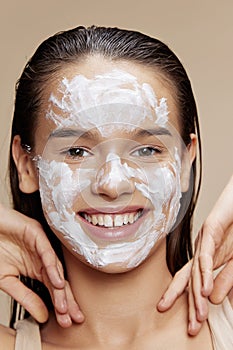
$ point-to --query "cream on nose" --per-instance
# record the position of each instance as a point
(113, 178)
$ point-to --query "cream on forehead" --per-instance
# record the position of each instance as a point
(107, 98)
(60, 186)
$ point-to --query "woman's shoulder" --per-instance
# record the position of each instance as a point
(7, 336)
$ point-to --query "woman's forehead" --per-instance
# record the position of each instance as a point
(78, 92)
(120, 94)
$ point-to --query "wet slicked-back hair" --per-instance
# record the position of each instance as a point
(72, 47)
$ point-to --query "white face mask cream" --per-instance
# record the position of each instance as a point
(85, 105)
(93, 103)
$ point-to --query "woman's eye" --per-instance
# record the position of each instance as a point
(77, 152)
(146, 151)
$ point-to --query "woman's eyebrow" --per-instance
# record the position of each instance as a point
(80, 133)
(158, 131)
(63, 133)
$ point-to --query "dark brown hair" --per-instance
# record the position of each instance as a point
(71, 47)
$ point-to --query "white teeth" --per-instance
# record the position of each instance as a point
(100, 220)
(126, 219)
(108, 222)
(94, 220)
(131, 218)
(118, 220)
(112, 220)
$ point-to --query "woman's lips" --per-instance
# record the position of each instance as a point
(112, 226)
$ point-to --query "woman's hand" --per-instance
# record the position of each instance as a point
(25, 250)
(214, 248)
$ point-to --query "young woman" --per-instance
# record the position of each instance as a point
(104, 157)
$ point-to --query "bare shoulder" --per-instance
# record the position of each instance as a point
(7, 336)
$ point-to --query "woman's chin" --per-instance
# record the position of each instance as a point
(113, 268)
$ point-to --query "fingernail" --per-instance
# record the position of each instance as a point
(80, 316)
(66, 321)
(161, 300)
(162, 303)
(191, 328)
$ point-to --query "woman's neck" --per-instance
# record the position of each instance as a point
(118, 308)
(119, 294)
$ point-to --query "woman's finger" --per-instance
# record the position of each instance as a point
(58, 295)
(222, 284)
(59, 301)
(73, 313)
(73, 307)
(199, 301)
(25, 297)
(194, 326)
(176, 287)
(205, 251)
(43, 248)
(65, 307)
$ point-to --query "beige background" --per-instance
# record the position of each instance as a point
(200, 32)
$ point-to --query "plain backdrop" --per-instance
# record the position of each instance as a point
(200, 32)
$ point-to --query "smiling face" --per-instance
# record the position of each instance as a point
(110, 159)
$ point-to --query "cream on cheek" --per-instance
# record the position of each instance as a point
(60, 187)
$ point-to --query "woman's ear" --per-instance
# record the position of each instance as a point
(187, 162)
(27, 173)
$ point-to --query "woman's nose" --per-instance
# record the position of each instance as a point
(113, 179)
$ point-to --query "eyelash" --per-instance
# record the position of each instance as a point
(155, 151)
(82, 150)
